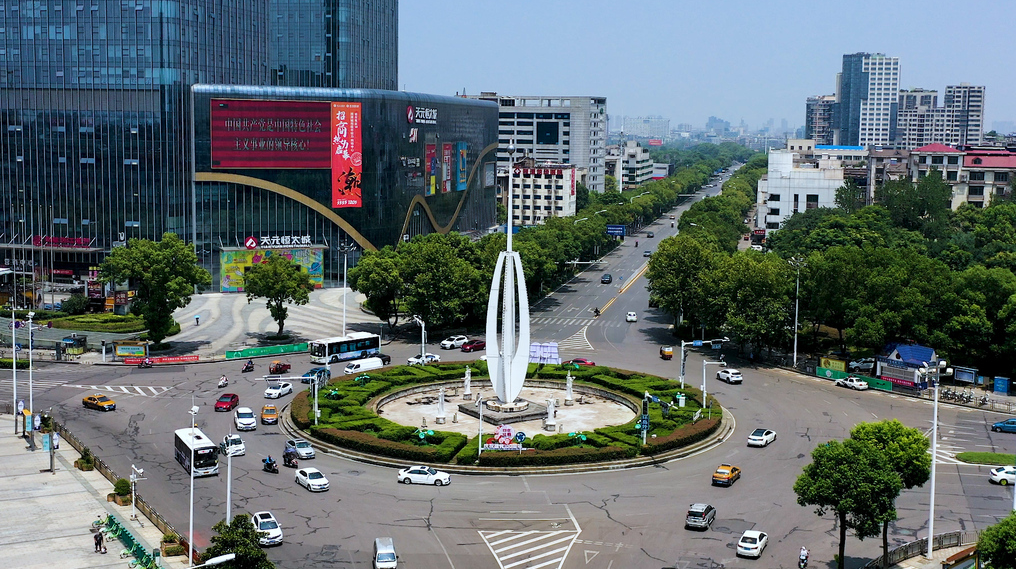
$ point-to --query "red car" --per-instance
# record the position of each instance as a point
(227, 402)
(474, 345)
(579, 362)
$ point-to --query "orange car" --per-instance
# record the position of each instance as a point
(269, 415)
(726, 475)
(100, 402)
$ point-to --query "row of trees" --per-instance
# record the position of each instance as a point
(445, 278)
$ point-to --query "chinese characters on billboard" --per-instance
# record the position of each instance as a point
(347, 157)
(432, 168)
(446, 167)
(269, 134)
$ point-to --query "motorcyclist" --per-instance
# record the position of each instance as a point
(289, 456)
(804, 554)
(596, 311)
(223, 381)
(250, 363)
(148, 361)
(269, 461)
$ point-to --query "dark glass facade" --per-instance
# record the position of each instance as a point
(399, 156)
(853, 89)
(94, 104)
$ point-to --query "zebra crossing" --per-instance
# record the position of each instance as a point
(142, 390)
(575, 342)
(555, 321)
(950, 439)
(515, 549)
(45, 384)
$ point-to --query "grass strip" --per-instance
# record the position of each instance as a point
(992, 458)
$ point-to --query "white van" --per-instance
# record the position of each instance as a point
(384, 553)
(360, 366)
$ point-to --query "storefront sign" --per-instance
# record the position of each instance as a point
(408, 162)
(277, 241)
(421, 115)
(461, 166)
(269, 134)
(430, 163)
(541, 171)
(50, 241)
(347, 157)
(94, 289)
(446, 167)
(120, 298)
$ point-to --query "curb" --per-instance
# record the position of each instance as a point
(726, 428)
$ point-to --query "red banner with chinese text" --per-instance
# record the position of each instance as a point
(347, 157)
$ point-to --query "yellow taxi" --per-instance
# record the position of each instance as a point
(269, 415)
(99, 401)
(726, 475)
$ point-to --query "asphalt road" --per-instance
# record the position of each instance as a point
(613, 519)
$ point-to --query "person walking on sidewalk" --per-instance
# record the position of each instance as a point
(197, 320)
(98, 541)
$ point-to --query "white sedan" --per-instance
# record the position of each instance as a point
(232, 445)
(752, 543)
(312, 479)
(729, 375)
(427, 358)
(853, 382)
(761, 438)
(424, 475)
(452, 342)
(1003, 475)
(278, 390)
(244, 420)
(631, 317)
(269, 531)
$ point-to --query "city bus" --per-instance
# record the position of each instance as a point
(353, 346)
(206, 453)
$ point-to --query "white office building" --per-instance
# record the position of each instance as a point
(959, 122)
(647, 127)
(866, 99)
(541, 191)
(562, 130)
(792, 185)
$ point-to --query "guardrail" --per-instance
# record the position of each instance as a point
(920, 547)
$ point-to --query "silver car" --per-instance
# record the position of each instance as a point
(302, 448)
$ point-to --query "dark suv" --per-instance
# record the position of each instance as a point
(606, 279)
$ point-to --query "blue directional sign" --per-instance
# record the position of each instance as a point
(520, 437)
(615, 230)
(697, 343)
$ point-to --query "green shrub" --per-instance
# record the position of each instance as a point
(467, 454)
(622, 434)
(175, 550)
(170, 538)
(122, 487)
(8, 363)
(569, 455)
(683, 436)
(104, 322)
(76, 304)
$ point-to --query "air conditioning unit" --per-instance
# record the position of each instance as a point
(963, 177)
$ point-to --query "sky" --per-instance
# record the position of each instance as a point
(688, 60)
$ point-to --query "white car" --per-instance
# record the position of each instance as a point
(761, 438)
(269, 531)
(244, 419)
(232, 445)
(752, 543)
(853, 382)
(1003, 475)
(427, 358)
(278, 390)
(729, 375)
(631, 317)
(424, 475)
(865, 365)
(312, 479)
(302, 447)
(452, 342)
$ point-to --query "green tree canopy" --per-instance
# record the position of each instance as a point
(854, 480)
(163, 275)
(997, 544)
(239, 537)
(377, 276)
(279, 281)
(675, 275)
(850, 197)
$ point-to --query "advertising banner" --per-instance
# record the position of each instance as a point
(432, 168)
(446, 167)
(269, 134)
(94, 289)
(49, 241)
(235, 263)
(831, 363)
(121, 350)
(347, 155)
(461, 167)
(162, 360)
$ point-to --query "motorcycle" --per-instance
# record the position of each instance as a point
(247, 367)
(290, 461)
(272, 466)
(144, 364)
(983, 401)
(802, 563)
(596, 313)
(223, 383)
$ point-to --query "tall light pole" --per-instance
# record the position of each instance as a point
(136, 475)
(704, 364)
(216, 560)
(797, 263)
(345, 249)
(14, 344)
(934, 452)
(423, 337)
(190, 537)
(229, 480)
(31, 392)
(683, 344)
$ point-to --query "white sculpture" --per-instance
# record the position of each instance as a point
(440, 408)
(551, 422)
(507, 362)
(568, 401)
(469, 376)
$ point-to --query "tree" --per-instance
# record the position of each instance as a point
(239, 537)
(751, 298)
(581, 196)
(610, 184)
(906, 450)
(77, 303)
(163, 275)
(675, 275)
(850, 197)
(997, 544)
(854, 480)
(279, 281)
(377, 276)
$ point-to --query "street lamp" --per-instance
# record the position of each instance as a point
(704, 364)
(479, 428)
(638, 196)
(578, 220)
(14, 346)
(927, 371)
(423, 336)
(229, 479)
(190, 539)
(135, 476)
(797, 263)
(345, 249)
(31, 392)
(599, 212)
(216, 560)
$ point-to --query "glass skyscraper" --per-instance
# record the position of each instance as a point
(95, 106)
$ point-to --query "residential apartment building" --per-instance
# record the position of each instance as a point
(540, 190)
(866, 100)
(647, 127)
(632, 164)
(792, 184)
(818, 119)
(562, 130)
(976, 175)
(884, 165)
(920, 121)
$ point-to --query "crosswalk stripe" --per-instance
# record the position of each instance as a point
(534, 558)
(529, 549)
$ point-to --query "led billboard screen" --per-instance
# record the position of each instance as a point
(249, 133)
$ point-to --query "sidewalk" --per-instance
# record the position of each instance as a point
(49, 515)
(937, 557)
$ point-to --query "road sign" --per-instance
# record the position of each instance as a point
(37, 421)
(17, 347)
(251, 242)
(697, 343)
(504, 434)
(520, 437)
(21, 406)
(615, 230)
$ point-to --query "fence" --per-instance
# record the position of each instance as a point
(920, 547)
(108, 473)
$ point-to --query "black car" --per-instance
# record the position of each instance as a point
(385, 358)
(650, 234)
(606, 279)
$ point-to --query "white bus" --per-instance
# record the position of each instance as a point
(354, 346)
(206, 453)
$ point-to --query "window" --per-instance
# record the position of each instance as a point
(977, 160)
(922, 160)
(978, 176)
(976, 191)
(937, 159)
(812, 201)
(954, 159)
(774, 197)
(950, 175)
(772, 225)
(774, 211)
(1001, 176)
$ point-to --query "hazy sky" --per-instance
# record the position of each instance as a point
(689, 60)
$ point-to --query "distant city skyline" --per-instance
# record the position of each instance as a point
(689, 61)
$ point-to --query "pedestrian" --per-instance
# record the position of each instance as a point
(197, 320)
(98, 541)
